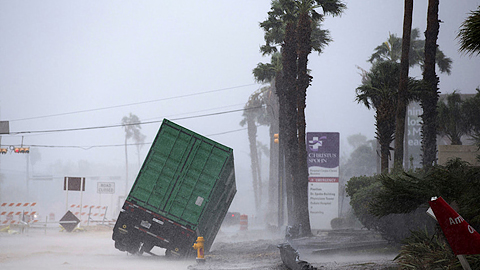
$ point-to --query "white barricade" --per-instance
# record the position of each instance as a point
(14, 213)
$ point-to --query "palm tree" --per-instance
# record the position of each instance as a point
(452, 120)
(472, 112)
(131, 124)
(469, 34)
(304, 47)
(289, 76)
(379, 92)
(391, 50)
(429, 97)
(402, 87)
(267, 73)
(255, 112)
(471, 108)
(306, 16)
(281, 29)
(274, 27)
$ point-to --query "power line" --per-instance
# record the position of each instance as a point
(197, 111)
(138, 123)
(132, 104)
(117, 145)
(85, 147)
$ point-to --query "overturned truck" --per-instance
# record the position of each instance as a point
(183, 190)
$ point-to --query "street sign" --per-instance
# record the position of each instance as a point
(4, 127)
(105, 187)
(69, 221)
(74, 183)
(323, 149)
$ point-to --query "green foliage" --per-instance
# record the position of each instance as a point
(362, 190)
(384, 201)
(400, 194)
(469, 33)
(393, 227)
(379, 91)
(256, 108)
(472, 113)
(132, 128)
(457, 182)
(452, 118)
(362, 161)
(395, 204)
(423, 251)
(391, 50)
(346, 222)
(283, 11)
(355, 184)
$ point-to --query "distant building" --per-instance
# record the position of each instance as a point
(413, 141)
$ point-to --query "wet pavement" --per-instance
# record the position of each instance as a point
(259, 249)
(233, 249)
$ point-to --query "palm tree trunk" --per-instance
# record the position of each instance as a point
(289, 61)
(273, 166)
(303, 81)
(385, 122)
(284, 195)
(259, 176)
(430, 95)
(252, 138)
(402, 88)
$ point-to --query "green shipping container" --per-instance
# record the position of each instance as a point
(184, 187)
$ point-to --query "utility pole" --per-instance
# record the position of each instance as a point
(126, 169)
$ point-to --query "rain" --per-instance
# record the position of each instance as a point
(72, 70)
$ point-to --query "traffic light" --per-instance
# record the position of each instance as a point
(275, 138)
(22, 150)
(3, 151)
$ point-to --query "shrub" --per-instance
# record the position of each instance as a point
(393, 227)
(422, 250)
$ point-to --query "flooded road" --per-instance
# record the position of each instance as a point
(233, 249)
(92, 249)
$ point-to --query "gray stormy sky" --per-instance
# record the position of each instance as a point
(58, 57)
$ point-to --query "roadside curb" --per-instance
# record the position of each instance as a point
(329, 243)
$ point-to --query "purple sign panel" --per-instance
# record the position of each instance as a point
(323, 149)
(323, 169)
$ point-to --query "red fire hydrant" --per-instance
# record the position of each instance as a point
(200, 247)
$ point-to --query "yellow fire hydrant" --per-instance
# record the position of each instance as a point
(199, 246)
